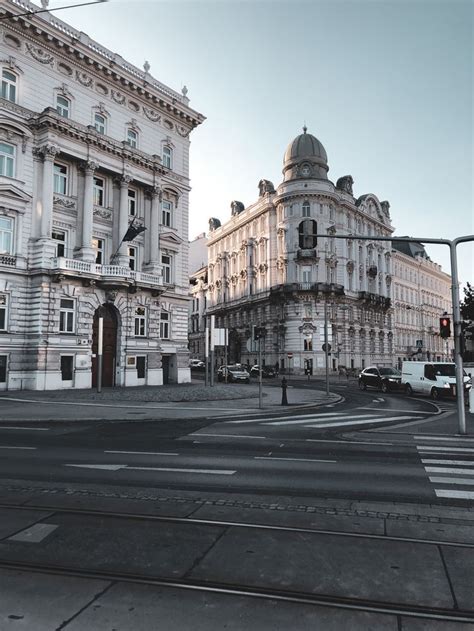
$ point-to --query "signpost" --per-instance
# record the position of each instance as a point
(290, 357)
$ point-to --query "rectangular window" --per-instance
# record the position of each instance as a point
(3, 368)
(166, 263)
(99, 247)
(60, 179)
(8, 86)
(3, 312)
(6, 235)
(67, 313)
(166, 212)
(132, 138)
(306, 274)
(308, 343)
(99, 123)
(141, 366)
(60, 237)
(140, 321)
(132, 202)
(7, 159)
(165, 325)
(99, 191)
(167, 157)
(132, 258)
(67, 362)
(63, 106)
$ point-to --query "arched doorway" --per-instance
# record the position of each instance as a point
(109, 350)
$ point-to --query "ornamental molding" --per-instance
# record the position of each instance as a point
(84, 79)
(118, 97)
(307, 328)
(11, 63)
(89, 166)
(152, 115)
(64, 202)
(103, 213)
(39, 54)
(350, 266)
(47, 151)
(154, 191)
(183, 131)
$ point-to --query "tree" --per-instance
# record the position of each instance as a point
(467, 306)
(467, 326)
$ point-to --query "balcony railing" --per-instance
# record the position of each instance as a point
(8, 260)
(105, 272)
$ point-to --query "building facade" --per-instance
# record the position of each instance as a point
(267, 267)
(91, 147)
(421, 295)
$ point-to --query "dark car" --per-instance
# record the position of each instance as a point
(383, 379)
(234, 373)
(267, 371)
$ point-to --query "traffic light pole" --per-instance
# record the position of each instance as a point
(326, 348)
(260, 394)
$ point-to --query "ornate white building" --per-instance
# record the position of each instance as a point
(88, 144)
(267, 268)
(421, 295)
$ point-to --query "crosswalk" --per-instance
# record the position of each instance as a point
(449, 465)
(331, 420)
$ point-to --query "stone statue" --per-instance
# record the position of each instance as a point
(385, 208)
(265, 186)
(236, 208)
(214, 224)
(345, 183)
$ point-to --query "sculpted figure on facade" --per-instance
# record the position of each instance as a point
(236, 208)
(265, 186)
(214, 223)
(345, 183)
(385, 208)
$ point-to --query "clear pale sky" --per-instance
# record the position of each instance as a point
(387, 87)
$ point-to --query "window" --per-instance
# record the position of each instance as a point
(306, 231)
(60, 179)
(66, 367)
(99, 247)
(166, 263)
(63, 106)
(306, 274)
(132, 138)
(99, 123)
(141, 366)
(306, 210)
(308, 343)
(99, 191)
(60, 237)
(164, 325)
(7, 160)
(8, 86)
(167, 157)
(132, 202)
(67, 314)
(3, 312)
(6, 235)
(140, 321)
(132, 256)
(166, 212)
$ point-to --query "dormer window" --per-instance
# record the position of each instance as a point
(63, 106)
(167, 157)
(9, 85)
(99, 123)
(132, 138)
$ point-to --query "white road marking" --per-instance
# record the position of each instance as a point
(450, 480)
(308, 417)
(394, 410)
(34, 534)
(27, 429)
(225, 435)
(314, 419)
(211, 471)
(449, 470)
(435, 449)
(463, 495)
(349, 442)
(142, 453)
(143, 406)
(8, 447)
(293, 459)
(105, 467)
(457, 462)
(442, 438)
(371, 420)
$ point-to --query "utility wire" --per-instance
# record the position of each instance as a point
(70, 6)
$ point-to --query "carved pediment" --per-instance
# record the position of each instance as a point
(171, 237)
(12, 192)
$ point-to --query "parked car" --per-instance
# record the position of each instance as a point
(197, 364)
(437, 379)
(234, 373)
(382, 378)
(267, 371)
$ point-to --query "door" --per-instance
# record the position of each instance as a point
(165, 364)
(109, 349)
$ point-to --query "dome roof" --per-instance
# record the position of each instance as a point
(305, 146)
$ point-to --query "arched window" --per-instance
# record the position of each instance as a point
(99, 123)
(306, 209)
(306, 233)
(7, 159)
(132, 138)
(63, 106)
(167, 157)
(9, 85)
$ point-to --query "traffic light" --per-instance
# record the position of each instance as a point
(445, 327)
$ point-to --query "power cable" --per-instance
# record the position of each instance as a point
(70, 6)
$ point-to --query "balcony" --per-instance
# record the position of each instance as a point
(374, 300)
(309, 254)
(106, 276)
(321, 290)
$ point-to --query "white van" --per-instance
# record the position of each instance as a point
(436, 379)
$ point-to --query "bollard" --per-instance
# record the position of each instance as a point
(284, 400)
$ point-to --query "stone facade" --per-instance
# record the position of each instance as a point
(266, 268)
(89, 147)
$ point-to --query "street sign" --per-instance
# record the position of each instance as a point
(324, 347)
(289, 355)
(419, 343)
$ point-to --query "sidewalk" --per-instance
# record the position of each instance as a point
(153, 402)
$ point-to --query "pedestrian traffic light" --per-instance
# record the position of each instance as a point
(445, 327)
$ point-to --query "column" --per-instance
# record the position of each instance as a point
(87, 252)
(122, 257)
(154, 262)
(48, 152)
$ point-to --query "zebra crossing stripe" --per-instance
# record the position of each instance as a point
(453, 494)
(438, 480)
(435, 449)
(450, 475)
(307, 417)
(367, 420)
(315, 419)
(456, 462)
(449, 470)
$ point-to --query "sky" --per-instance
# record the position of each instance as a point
(386, 86)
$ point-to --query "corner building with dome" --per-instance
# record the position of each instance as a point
(267, 268)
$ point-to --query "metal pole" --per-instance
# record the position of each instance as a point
(100, 346)
(326, 351)
(206, 353)
(213, 319)
(226, 341)
(260, 401)
(457, 339)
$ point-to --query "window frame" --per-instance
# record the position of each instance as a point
(167, 277)
(7, 231)
(67, 324)
(60, 178)
(9, 85)
(99, 191)
(306, 239)
(140, 321)
(133, 142)
(63, 109)
(165, 324)
(306, 209)
(61, 243)
(4, 312)
(167, 213)
(167, 157)
(7, 159)
(99, 250)
(132, 252)
(132, 201)
(100, 126)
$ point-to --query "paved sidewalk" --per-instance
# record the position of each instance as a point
(192, 400)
